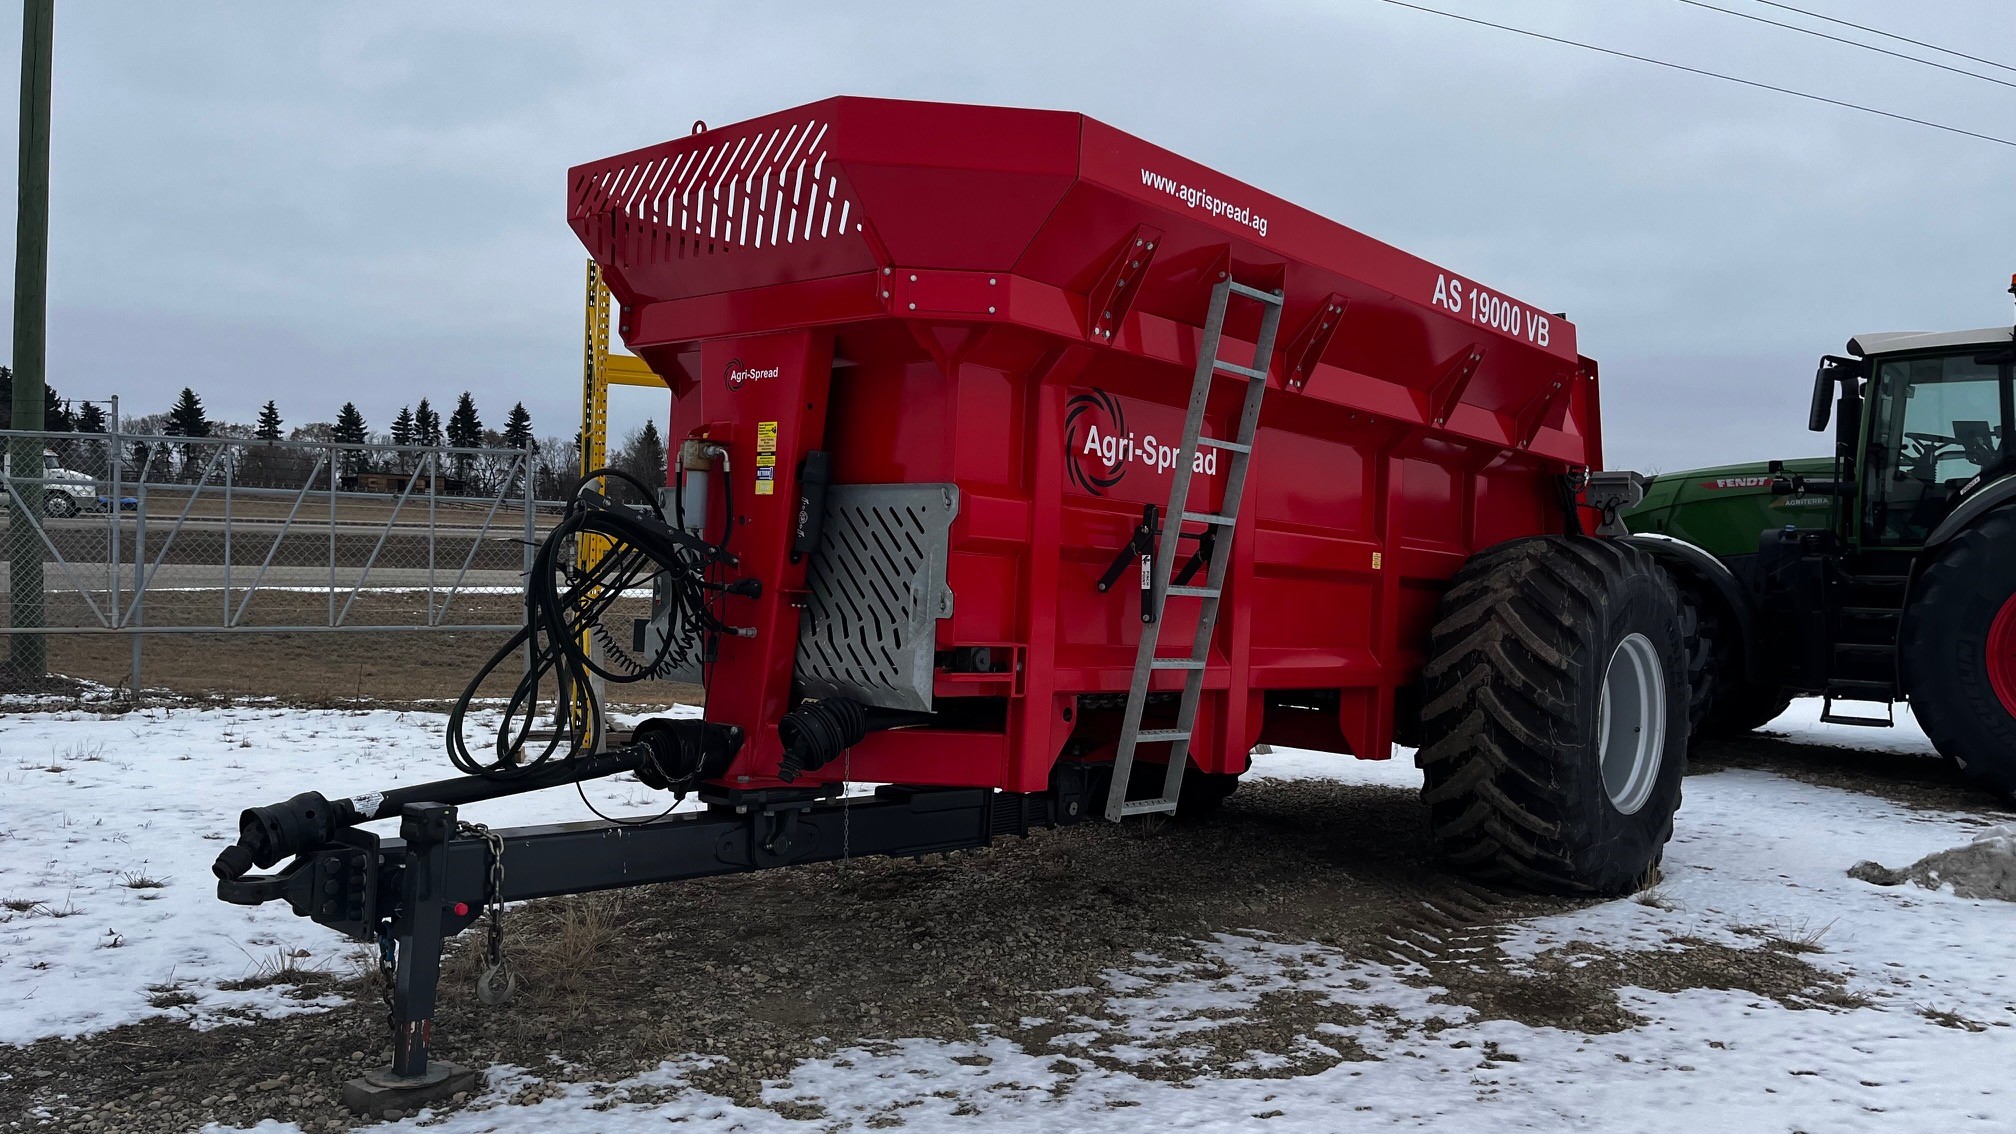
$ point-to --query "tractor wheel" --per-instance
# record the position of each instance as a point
(1724, 703)
(1747, 708)
(59, 504)
(1708, 652)
(1959, 653)
(1555, 716)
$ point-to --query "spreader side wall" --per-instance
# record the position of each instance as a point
(1023, 332)
(1352, 526)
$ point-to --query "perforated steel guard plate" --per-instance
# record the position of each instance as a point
(878, 588)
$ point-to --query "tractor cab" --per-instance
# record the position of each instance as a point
(1925, 420)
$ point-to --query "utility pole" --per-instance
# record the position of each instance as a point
(29, 652)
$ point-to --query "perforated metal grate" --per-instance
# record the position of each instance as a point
(878, 590)
(759, 190)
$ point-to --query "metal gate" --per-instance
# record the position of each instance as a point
(142, 534)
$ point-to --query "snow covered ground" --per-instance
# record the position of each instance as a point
(93, 809)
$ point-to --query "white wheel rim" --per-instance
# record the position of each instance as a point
(1631, 723)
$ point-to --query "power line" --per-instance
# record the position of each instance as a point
(1849, 42)
(1708, 74)
(1887, 35)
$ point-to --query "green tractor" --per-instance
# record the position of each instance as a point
(1884, 573)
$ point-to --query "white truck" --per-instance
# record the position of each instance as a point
(63, 492)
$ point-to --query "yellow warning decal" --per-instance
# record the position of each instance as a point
(766, 458)
(1375, 561)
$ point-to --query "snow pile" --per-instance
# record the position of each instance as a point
(1984, 868)
(109, 824)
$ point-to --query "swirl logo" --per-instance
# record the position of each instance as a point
(1095, 437)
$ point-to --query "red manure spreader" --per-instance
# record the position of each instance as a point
(1037, 474)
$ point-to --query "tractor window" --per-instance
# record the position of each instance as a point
(1935, 424)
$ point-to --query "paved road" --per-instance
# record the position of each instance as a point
(504, 527)
(97, 577)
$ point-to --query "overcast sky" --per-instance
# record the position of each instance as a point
(366, 201)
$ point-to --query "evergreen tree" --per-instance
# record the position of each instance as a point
(642, 456)
(350, 427)
(402, 434)
(269, 423)
(186, 417)
(55, 413)
(426, 425)
(517, 427)
(91, 419)
(465, 429)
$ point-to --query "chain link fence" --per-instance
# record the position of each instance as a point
(141, 537)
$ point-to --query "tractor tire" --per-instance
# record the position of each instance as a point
(1747, 708)
(61, 505)
(1724, 704)
(1959, 653)
(1707, 656)
(1555, 716)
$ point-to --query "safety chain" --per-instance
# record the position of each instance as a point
(497, 982)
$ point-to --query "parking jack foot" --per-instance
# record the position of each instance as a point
(381, 1090)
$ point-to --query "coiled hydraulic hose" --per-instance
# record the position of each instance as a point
(815, 732)
(560, 613)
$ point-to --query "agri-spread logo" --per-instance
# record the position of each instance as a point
(1099, 449)
(739, 375)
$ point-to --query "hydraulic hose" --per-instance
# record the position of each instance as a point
(816, 732)
(561, 612)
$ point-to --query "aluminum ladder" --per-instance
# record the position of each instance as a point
(1239, 451)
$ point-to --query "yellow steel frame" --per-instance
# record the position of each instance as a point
(599, 371)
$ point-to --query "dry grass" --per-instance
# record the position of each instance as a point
(565, 947)
(1786, 937)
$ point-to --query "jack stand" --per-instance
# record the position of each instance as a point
(411, 1082)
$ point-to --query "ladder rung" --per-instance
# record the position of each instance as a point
(1175, 663)
(1146, 806)
(1209, 518)
(1229, 446)
(1255, 293)
(1235, 368)
(1160, 735)
(1193, 592)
